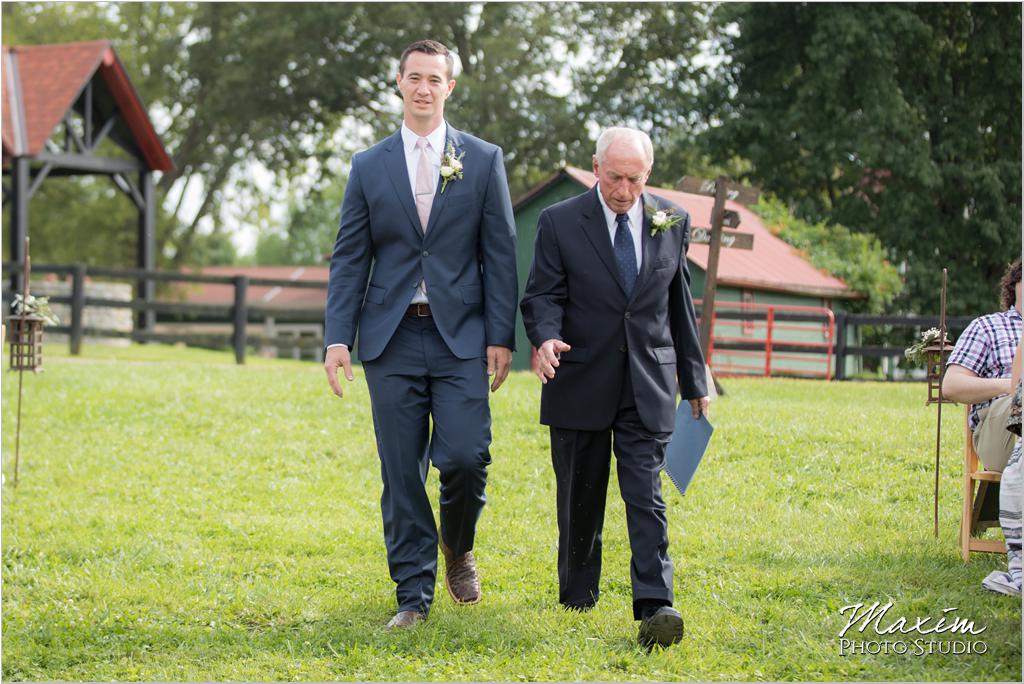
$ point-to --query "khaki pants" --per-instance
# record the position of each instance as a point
(992, 440)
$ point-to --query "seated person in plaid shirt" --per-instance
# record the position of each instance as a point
(978, 372)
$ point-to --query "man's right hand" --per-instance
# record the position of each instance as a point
(338, 357)
(547, 358)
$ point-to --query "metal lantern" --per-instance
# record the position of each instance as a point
(25, 334)
(935, 363)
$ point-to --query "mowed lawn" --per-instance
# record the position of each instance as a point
(183, 518)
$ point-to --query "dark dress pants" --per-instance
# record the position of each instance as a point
(581, 460)
(417, 379)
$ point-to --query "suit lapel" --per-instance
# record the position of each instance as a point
(398, 173)
(648, 245)
(595, 227)
(454, 138)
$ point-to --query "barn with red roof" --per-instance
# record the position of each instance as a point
(772, 280)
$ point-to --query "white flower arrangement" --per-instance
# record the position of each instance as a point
(35, 306)
(915, 353)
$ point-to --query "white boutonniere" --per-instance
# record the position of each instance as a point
(662, 219)
(451, 166)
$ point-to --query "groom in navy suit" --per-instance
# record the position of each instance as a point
(424, 267)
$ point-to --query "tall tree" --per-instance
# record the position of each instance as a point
(899, 119)
(292, 87)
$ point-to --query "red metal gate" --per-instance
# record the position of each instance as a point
(771, 339)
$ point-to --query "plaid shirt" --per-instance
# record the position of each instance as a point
(986, 347)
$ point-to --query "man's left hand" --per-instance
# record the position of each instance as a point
(499, 360)
(699, 406)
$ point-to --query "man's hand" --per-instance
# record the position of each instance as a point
(547, 358)
(499, 360)
(699, 406)
(338, 357)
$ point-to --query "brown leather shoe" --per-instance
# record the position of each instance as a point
(460, 578)
(405, 618)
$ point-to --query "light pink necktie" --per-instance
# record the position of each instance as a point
(425, 184)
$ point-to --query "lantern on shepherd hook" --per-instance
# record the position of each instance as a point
(25, 334)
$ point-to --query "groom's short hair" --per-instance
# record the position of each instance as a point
(428, 47)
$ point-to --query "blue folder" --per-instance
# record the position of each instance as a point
(689, 442)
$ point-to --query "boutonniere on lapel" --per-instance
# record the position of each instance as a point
(451, 166)
(661, 219)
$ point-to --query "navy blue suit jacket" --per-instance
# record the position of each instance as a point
(467, 256)
(575, 294)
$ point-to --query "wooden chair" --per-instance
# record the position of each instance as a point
(971, 521)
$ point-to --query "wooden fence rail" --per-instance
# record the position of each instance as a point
(240, 313)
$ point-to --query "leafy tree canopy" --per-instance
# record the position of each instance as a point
(899, 119)
(856, 258)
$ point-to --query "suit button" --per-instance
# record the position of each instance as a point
(426, 253)
(622, 348)
(627, 315)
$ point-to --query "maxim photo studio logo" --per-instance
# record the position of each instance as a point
(870, 630)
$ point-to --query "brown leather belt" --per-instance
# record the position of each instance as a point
(418, 310)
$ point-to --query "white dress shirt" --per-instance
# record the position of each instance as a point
(436, 138)
(636, 224)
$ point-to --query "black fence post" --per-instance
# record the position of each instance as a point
(241, 312)
(77, 308)
(840, 345)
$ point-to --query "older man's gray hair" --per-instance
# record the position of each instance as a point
(637, 137)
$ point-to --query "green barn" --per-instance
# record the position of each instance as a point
(791, 299)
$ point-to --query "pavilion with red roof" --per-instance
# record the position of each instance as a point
(62, 106)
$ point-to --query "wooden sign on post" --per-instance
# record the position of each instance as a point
(732, 239)
(721, 189)
(742, 194)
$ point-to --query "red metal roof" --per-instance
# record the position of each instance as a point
(284, 298)
(42, 82)
(771, 265)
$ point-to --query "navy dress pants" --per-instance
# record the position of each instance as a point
(582, 460)
(416, 381)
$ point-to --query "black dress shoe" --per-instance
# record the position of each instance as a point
(663, 628)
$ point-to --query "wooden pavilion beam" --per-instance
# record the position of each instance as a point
(146, 242)
(91, 164)
(19, 217)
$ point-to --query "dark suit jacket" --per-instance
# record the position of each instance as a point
(467, 256)
(575, 294)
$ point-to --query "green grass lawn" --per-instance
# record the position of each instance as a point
(183, 518)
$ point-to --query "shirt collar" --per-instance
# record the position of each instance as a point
(435, 138)
(635, 212)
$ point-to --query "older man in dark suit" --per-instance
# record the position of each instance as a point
(608, 307)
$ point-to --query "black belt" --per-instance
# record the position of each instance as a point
(419, 310)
